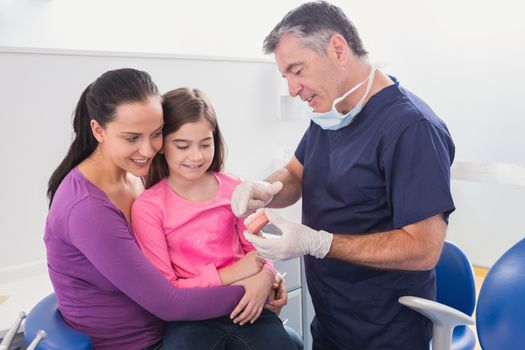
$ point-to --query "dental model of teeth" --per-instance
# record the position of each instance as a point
(257, 224)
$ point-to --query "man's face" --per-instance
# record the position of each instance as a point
(311, 76)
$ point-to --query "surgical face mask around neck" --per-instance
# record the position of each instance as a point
(333, 120)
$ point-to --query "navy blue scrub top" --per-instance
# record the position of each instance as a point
(389, 168)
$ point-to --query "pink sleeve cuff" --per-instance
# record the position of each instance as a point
(269, 266)
(210, 276)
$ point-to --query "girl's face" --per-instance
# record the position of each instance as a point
(189, 150)
(135, 135)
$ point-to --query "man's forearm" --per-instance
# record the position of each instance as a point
(396, 250)
(291, 191)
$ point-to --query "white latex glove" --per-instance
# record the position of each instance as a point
(252, 195)
(296, 240)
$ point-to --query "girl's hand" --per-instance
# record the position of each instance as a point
(249, 265)
(278, 295)
(245, 267)
(257, 288)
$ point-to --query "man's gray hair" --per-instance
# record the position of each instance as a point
(313, 24)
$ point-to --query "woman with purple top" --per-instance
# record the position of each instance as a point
(105, 287)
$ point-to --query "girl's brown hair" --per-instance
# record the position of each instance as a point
(181, 106)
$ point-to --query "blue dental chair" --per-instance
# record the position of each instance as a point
(58, 335)
(500, 313)
(45, 329)
(455, 290)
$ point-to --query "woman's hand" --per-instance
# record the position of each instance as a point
(256, 288)
(245, 267)
(278, 295)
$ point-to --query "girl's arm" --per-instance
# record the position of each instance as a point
(147, 225)
(101, 233)
(254, 301)
(146, 219)
(250, 264)
(248, 247)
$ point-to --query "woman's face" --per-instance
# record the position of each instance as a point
(135, 135)
(189, 151)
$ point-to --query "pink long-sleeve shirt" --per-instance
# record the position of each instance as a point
(190, 241)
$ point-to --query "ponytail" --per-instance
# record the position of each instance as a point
(82, 146)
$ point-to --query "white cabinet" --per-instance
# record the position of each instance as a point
(292, 313)
(298, 313)
(292, 268)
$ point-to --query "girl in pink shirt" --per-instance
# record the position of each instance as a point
(185, 227)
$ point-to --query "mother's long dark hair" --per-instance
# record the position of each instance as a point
(99, 102)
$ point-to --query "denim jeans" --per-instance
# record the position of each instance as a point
(221, 333)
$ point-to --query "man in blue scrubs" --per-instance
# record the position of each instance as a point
(373, 170)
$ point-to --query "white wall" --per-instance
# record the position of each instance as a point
(202, 27)
(463, 57)
(40, 91)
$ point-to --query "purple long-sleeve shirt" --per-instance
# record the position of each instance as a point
(105, 287)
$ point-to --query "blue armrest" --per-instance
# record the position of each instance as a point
(45, 316)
